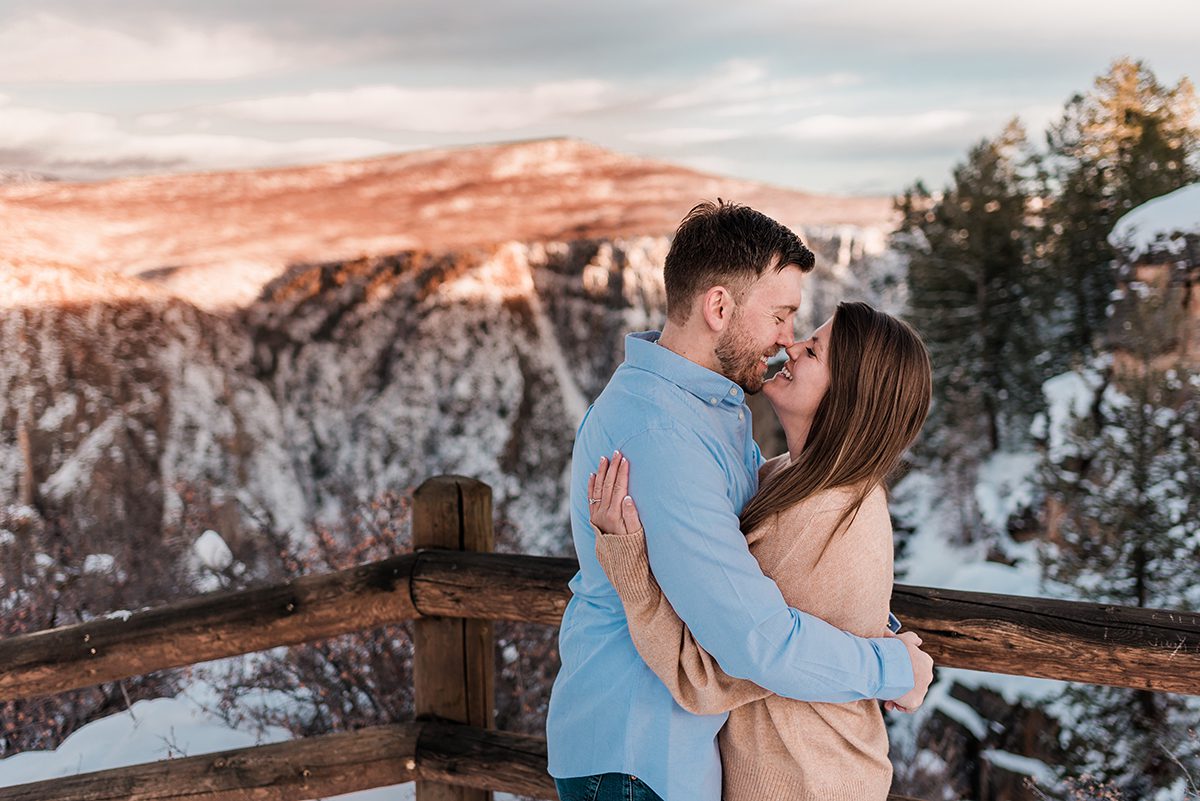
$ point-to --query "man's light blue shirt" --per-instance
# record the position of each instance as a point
(693, 465)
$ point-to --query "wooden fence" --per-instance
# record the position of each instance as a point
(453, 588)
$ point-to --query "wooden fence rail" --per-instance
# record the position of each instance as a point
(1094, 643)
(379, 756)
(454, 592)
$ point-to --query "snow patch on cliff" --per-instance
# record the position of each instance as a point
(1161, 224)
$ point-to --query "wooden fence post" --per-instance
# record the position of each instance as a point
(453, 662)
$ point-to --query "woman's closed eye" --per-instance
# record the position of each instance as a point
(812, 354)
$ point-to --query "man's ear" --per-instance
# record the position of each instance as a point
(716, 305)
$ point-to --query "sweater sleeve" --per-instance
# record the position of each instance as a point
(692, 676)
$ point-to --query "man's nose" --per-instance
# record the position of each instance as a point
(788, 339)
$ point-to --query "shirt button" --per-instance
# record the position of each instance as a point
(713, 401)
(733, 391)
(741, 415)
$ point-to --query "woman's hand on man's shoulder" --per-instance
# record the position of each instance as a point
(610, 508)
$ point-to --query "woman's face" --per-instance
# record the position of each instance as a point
(798, 387)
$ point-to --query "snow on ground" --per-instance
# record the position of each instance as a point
(1159, 223)
(932, 559)
(903, 729)
(1015, 763)
(934, 556)
(82, 461)
(1014, 689)
(99, 563)
(148, 731)
(1069, 397)
(1006, 485)
(162, 728)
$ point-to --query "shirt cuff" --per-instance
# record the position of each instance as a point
(896, 672)
(624, 559)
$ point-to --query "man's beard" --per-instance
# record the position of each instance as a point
(740, 359)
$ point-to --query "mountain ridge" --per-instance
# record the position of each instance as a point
(216, 239)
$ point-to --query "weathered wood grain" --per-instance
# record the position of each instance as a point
(453, 661)
(466, 757)
(206, 627)
(1149, 649)
(1096, 643)
(530, 589)
(495, 760)
(488, 760)
(331, 764)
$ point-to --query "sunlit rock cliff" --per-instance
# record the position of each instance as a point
(280, 343)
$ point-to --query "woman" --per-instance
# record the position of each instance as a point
(851, 399)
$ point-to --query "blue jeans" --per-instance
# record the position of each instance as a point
(605, 787)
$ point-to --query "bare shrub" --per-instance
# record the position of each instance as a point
(50, 576)
(347, 682)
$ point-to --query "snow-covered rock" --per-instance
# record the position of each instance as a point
(98, 563)
(1161, 224)
(212, 551)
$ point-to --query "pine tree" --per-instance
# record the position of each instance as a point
(1129, 535)
(1128, 482)
(972, 263)
(1129, 140)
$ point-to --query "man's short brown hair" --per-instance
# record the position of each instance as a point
(726, 244)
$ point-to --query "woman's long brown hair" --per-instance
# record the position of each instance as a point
(877, 401)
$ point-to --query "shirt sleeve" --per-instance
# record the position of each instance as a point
(692, 676)
(704, 567)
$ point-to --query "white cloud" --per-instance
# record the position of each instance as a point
(1038, 117)
(744, 87)
(841, 128)
(1012, 26)
(714, 164)
(768, 108)
(161, 119)
(44, 48)
(441, 110)
(732, 78)
(88, 145)
(685, 136)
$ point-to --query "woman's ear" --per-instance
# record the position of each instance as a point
(717, 308)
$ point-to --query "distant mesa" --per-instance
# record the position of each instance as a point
(226, 234)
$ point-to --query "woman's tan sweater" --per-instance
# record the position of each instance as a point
(775, 748)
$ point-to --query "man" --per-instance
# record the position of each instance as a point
(676, 408)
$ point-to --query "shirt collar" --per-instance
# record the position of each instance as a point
(643, 352)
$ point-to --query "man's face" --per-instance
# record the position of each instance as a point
(761, 324)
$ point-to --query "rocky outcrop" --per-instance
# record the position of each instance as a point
(282, 381)
(1156, 308)
(343, 380)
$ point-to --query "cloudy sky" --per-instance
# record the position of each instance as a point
(856, 97)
